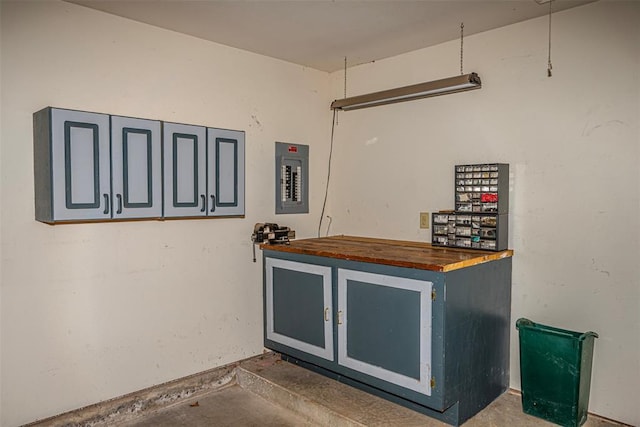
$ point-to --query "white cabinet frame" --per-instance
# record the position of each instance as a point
(424, 289)
(271, 334)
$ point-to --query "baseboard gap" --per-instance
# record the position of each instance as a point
(134, 405)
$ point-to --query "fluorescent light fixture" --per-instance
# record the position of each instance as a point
(408, 93)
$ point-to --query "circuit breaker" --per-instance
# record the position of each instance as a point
(292, 178)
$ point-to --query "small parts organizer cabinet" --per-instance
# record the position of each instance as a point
(482, 188)
(476, 231)
(92, 166)
(480, 219)
(372, 313)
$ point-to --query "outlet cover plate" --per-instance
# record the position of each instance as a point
(424, 219)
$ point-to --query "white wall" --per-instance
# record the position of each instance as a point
(572, 142)
(94, 311)
(90, 312)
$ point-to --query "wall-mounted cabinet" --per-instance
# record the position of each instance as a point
(97, 167)
(73, 165)
(203, 171)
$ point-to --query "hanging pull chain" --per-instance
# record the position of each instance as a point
(461, 46)
(345, 76)
(549, 66)
(345, 95)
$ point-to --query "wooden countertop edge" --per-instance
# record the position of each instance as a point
(484, 257)
(480, 260)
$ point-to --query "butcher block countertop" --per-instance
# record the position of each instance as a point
(399, 253)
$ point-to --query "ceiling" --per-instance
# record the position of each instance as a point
(320, 33)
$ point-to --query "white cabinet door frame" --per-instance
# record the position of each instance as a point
(81, 165)
(136, 167)
(184, 170)
(325, 273)
(225, 172)
(424, 289)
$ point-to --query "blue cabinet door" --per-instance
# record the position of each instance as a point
(298, 306)
(384, 328)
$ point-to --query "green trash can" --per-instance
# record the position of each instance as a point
(555, 372)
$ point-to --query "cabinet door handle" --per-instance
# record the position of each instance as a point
(326, 314)
(339, 317)
(106, 204)
(119, 197)
(213, 203)
(204, 203)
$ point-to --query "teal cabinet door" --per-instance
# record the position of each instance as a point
(384, 328)
(136, 167)
(225, 172)
(298, 307)
(184, 170)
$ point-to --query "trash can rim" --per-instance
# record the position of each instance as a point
(524, 323)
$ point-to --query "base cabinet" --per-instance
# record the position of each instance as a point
(390, 330)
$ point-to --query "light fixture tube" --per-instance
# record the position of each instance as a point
(408, 93)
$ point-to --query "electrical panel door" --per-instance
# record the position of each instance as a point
(292, 178)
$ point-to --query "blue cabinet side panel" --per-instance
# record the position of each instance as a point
(42, 165)
(477, 333)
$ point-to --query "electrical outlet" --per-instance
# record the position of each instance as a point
(424, 219)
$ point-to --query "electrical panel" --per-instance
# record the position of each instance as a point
(292, 178)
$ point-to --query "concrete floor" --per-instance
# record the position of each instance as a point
(231, 407)
(270, 392)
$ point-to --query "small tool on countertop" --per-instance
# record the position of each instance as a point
(271, 234)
